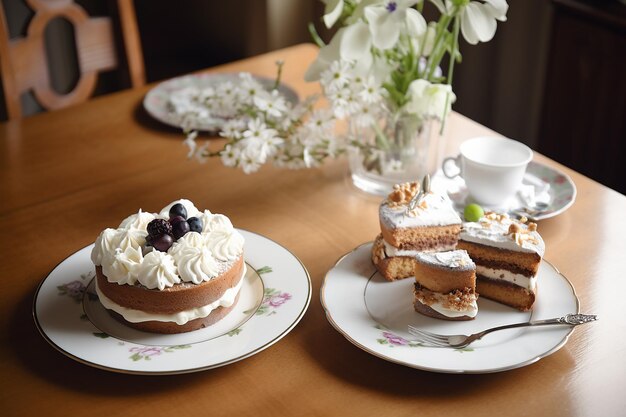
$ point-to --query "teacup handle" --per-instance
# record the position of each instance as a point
(446, 164)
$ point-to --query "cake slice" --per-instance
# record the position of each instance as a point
(507, 254)
(445, 285)
(432, 225)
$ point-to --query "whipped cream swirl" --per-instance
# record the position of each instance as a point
(158, 270)
(137, 221)
(197, 265)
(194, 258)
(226, 245)
(106, 242)
(122, 266)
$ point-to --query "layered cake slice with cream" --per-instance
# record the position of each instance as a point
(507, 254)
(170, 272)
(412, 223)
(445, 285)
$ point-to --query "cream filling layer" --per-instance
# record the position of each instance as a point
(439, 307)
(508, 276)
(180, 318)
(391, 251)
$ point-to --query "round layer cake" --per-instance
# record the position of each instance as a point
(170, 272)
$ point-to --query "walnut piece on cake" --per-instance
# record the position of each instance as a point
(402, 194)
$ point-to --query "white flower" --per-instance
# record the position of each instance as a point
(273, 104)
(337, 76)
(202, 152)
(478, 19)
(326, 56)
(366, 115)
(429, 100)
(230, 155)
(371, 92)
(233, 128)
(388, 19)
(190, 142)
(339, 101)
(356, 44)
(249, 163)
(320, 122)
(259, 142)
(351, 43)
(249, 88)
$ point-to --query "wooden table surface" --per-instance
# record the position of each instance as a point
(67, 175)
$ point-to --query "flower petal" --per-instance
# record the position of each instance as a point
(356, 42)
(497, 9)
(385, 31)
(477, 23)
(326, 56)
(415, 22)
(332, 12)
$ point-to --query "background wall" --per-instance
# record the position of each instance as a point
(501, 84)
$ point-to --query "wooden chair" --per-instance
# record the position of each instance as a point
(24, 64)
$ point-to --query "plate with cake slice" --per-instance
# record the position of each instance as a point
(374, 314)
(271, 295)
(429, 269)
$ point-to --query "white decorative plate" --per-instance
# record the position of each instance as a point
(374, 314)
(274, 297)
(156, 101)
(550, 186)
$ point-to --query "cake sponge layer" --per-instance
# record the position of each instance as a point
(180, 297)
(422, 238)
(526, 263)
(169, 327)
(505, 293)
(442, 279)
(391, 268)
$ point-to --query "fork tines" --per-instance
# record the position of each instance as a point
(423, 336)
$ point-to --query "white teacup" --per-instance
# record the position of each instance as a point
(492, 167)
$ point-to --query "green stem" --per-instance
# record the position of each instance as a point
(436, 55)
(453, 57)
(279, 73)
(316, 37)
(455, 49)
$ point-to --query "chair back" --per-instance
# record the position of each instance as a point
(24, 63)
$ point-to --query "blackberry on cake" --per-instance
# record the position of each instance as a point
(432, 225)
(507, 253)
(166, 273)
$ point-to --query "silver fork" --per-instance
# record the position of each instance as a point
(460, 341)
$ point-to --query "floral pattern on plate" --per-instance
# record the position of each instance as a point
(374, 315)
(84, 331)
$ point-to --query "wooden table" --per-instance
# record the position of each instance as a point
(66, 175)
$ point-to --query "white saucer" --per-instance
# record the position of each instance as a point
(374, 314)
(546, 184)
(274, 297)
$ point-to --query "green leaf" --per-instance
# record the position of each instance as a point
(264, 270)
(234, 332)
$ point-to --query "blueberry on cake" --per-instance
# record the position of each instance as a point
(170, 272)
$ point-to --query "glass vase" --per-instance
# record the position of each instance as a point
(399, 148)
